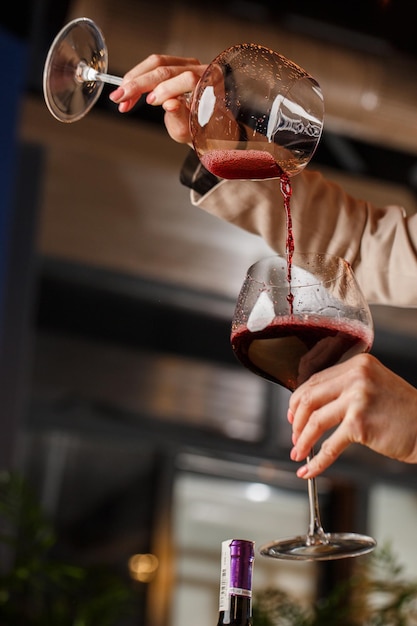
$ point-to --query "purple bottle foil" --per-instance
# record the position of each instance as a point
(241, 559)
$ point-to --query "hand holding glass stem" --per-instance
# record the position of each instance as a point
(287, 332)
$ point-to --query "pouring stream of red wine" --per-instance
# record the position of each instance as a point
(255, 165)
(286, 190)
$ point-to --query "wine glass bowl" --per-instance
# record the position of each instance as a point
(291, 321)
(255, 114)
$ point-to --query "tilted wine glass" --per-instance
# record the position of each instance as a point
(253, 115)
(286, 330)
(75, 70)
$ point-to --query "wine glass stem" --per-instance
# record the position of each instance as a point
(89, 74)
(109, 78)
(316, 533)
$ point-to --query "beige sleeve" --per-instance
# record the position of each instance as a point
(380, 243)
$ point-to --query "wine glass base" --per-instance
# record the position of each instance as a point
(335, 546)
(67, 95)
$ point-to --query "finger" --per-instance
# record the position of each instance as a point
(161, 85)
(324, 377)
(321, 388)
(177, 121)
(329, 451)
(158, 60)
(312, 397)
(174, 87)
(120, 97)
(134, 85)
(127, 105)
(320, 421)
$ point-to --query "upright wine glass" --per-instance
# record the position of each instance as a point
(286, 330)
(254, 113)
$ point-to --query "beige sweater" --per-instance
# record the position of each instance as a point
(379, 242)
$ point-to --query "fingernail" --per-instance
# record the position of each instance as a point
(150, 98)
(117, 94)
(294, 454)
(290, 416)
(302, 471)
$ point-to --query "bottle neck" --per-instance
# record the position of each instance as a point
(235, 601)
(239, 613)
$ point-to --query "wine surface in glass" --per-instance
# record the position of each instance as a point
(290, 349)
(241, 164)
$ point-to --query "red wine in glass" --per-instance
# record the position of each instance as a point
(289, 350)
(326, 321)
(241, 164)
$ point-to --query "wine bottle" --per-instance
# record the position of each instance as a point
(235, 599)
